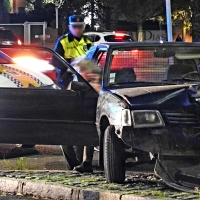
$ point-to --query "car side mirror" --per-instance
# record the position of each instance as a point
(79, 86)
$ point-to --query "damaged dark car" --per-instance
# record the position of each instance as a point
(150, 101)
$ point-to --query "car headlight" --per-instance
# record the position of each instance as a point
(126, 117)
(147, 118)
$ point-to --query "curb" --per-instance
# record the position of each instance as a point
(53, 191)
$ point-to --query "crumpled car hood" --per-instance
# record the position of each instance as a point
(163, 97)
(138, 91)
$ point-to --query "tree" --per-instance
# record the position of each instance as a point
(44, 10)
(6, 5)
(140, 12)
(134, 11)
(4, 10)
(34, 4)
(185, 13)
(181, 15)
(195, 20)
(110, 12)
(68, 8)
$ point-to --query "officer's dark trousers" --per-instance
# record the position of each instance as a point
(74, 155)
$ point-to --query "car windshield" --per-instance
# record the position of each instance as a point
(153, 64)
(118, 38)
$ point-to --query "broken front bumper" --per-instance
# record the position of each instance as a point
(180, 172)
(178, 147)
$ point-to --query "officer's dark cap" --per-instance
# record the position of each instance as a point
(76, 19)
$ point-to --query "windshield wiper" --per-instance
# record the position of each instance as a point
(128, 82)
(185, 79)
(142, 82)
(191, 76)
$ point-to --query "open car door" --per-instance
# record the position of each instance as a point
(44, 114)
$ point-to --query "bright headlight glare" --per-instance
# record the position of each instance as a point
(147, 118)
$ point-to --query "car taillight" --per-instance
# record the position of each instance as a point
(19, 42)
(119, 36)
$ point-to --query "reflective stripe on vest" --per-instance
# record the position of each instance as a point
(75, 48)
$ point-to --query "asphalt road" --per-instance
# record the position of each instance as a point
(47, 158)
(50, 158)
(40, 158)
(44, 158)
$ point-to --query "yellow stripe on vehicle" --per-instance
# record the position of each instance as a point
(24, 78)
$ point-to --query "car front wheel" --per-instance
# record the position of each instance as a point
(114, 159)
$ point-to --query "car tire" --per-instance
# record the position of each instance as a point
(114, 157)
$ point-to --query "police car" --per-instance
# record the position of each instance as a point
(13, 75)
(103, 37)
(35, 60)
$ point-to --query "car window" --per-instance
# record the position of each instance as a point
(94, 38)
(7, 35)
(118, 38)
(25, 53)
(101, 58)
(34, 67)
(143, 65)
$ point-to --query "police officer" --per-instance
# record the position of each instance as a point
(71, 46)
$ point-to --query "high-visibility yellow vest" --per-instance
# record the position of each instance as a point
(75, 48)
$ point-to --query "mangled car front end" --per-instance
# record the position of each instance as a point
(164, 121)
(150, 103)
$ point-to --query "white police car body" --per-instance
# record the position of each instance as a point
(103, 37)
(13, 75)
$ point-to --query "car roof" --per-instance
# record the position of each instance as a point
(106, 33)
(147, 44)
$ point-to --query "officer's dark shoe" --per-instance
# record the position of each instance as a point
(84, 167)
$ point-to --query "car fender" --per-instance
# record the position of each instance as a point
(114, 109)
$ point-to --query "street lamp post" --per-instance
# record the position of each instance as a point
(56, 9)
(92, 14)
(169, 20)
(96, 26)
